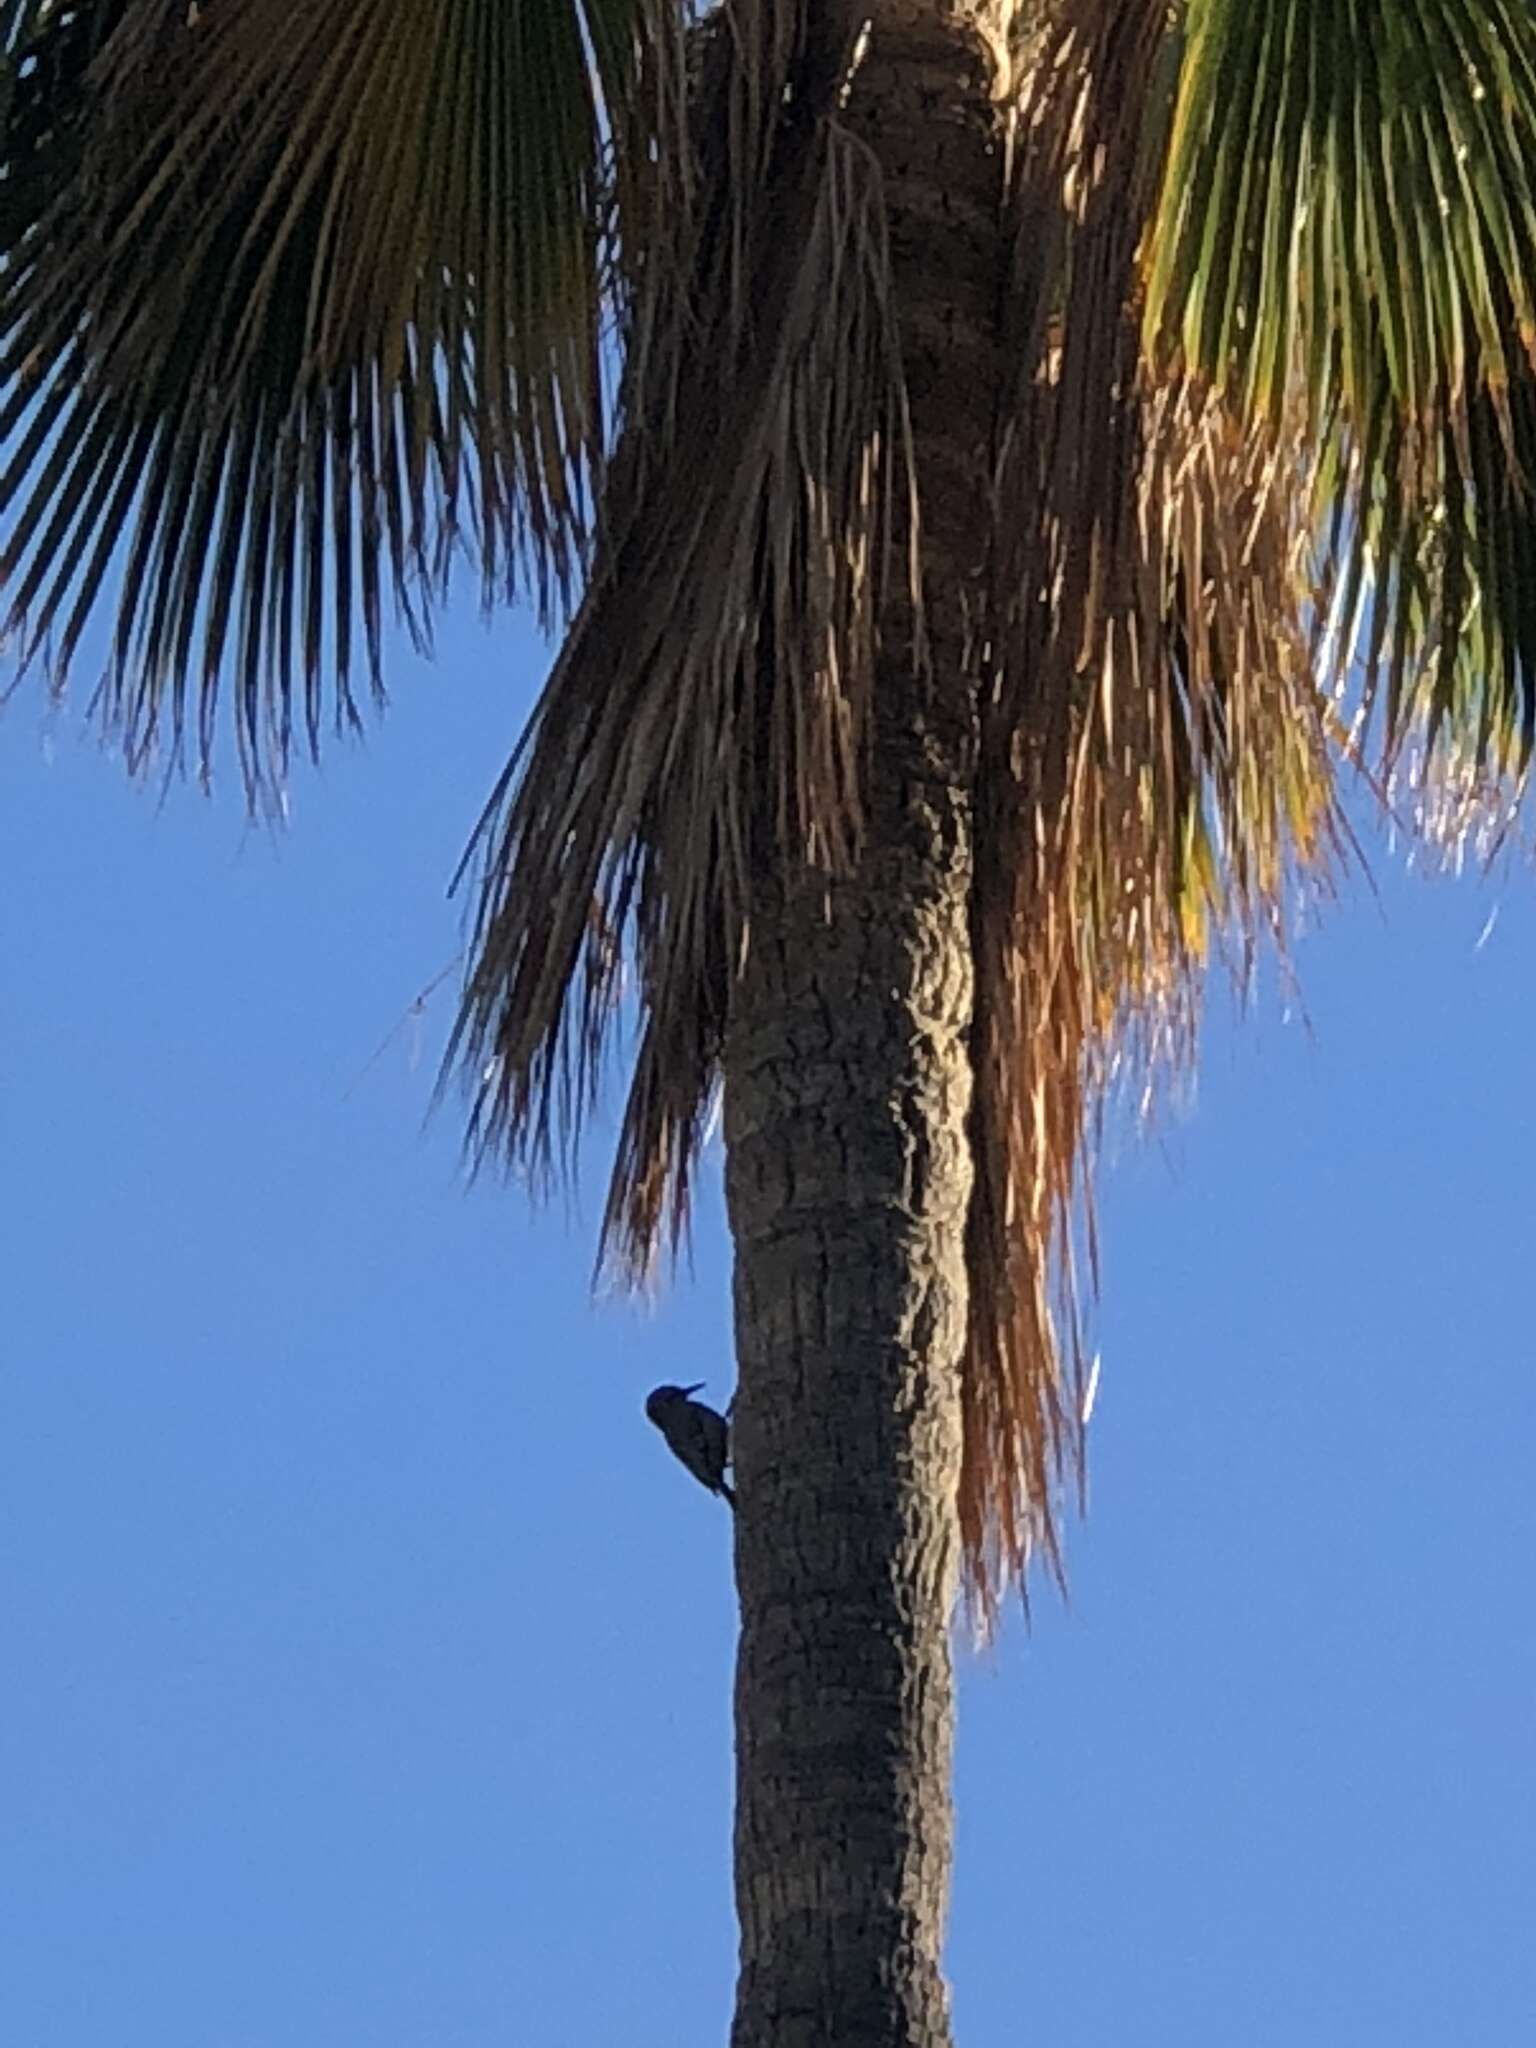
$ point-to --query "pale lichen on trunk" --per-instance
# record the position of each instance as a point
(848, 1086)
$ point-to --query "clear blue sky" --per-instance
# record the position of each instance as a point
(368, 1663)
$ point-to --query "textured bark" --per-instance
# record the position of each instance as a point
(848, 1176)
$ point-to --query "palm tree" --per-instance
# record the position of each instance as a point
(990, 465)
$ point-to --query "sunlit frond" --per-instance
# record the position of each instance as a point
(1348, 240)
(1270, 459)
(1155, 776)
(291, 300)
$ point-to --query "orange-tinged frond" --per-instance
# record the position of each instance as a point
(1155, 775)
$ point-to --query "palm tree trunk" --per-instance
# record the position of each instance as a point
(848, 1177)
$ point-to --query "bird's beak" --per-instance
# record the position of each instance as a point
(695, 1387)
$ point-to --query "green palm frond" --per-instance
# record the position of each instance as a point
(293, 300)
(1347, 242)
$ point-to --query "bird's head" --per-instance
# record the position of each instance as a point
(661, 1398)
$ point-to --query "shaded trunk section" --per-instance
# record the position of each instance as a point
(848, 1085)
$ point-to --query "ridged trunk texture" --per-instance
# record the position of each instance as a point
(848, 1176)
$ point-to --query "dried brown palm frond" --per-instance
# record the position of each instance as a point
(1154, 763)
(709, 704)
(1275, 447)
(292, 299)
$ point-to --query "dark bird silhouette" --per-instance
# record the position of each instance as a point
(696, 1435)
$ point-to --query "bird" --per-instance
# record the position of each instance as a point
(696, 1435)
